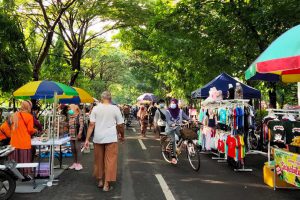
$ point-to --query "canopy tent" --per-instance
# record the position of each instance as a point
(221, 83)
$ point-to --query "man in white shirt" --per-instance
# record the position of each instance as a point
(108, 123)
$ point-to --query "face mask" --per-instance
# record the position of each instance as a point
(71, 112)
(162, 105)
(173, 106)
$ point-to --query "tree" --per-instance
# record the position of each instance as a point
(14, 70)
(55, 66)
(193, 41)
(45, 17)
(76, 26)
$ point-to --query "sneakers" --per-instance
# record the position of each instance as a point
(78, 167)
(73, 166)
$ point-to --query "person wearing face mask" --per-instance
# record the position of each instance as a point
(160, 117)
(160, 121)
(174, 117)
(75, 130)
(143, 118)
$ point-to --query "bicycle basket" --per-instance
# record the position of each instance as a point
(189, 134)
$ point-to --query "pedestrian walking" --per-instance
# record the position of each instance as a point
(76, 125)
(151, 110)
(143, 118)
(108, 123)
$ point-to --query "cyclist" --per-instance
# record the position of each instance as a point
(174, 118)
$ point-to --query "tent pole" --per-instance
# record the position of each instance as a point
(261, 125)
(298, 93)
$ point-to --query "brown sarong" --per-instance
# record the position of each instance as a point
(105, 161)
(22, 156)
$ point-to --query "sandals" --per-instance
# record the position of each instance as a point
(100, 184)
(107, 189)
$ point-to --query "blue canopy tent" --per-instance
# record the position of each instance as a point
(221, 83)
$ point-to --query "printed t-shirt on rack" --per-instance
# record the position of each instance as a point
(276, 131)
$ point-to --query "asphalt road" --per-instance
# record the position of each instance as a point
(142, 174)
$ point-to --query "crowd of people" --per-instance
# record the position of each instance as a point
(106, 128)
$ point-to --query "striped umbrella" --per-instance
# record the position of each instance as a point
(280, 61)
(43, 90)
(83, 97)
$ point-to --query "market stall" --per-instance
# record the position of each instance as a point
(227, 118)
(281, 62)
(47, 90)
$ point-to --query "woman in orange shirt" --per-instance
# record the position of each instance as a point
(22, 130)
(5, 131)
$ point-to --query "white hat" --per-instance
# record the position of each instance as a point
(230, 86)
(238, 84)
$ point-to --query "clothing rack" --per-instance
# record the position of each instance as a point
(227, 103)
(279, 112)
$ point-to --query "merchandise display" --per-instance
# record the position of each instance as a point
(223, 129)
(281, 132)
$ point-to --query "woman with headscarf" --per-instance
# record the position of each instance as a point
(75, 129)
(143, 117)
(174, 118)
(22, 130)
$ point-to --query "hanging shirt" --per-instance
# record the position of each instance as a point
(222, 115)
(276, 131)
(231, 146)
(292, 129)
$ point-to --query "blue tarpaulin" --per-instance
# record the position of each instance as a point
(221, 83)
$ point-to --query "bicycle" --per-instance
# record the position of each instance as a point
(187, 142)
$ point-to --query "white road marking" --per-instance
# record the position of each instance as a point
(134, 130)
(142, 144)
(165, 188)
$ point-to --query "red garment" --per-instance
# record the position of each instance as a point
(234, 119)
(221, 146)
(232, 145)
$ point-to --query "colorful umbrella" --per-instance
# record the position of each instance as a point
(43, 90)
(280, 60)
(83, 97)
(147, 97)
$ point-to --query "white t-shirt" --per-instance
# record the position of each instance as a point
(106, 118)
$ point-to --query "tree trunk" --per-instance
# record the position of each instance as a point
(41, 58)
(75, 61)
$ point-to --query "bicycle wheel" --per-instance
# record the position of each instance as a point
(7, 186)
(193, 155)
(166, 149)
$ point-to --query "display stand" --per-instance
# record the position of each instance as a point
(275, 171)
(277, 112)
(51, 160)
(226, 103)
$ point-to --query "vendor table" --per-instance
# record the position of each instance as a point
(57, 142)
(287, 167)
